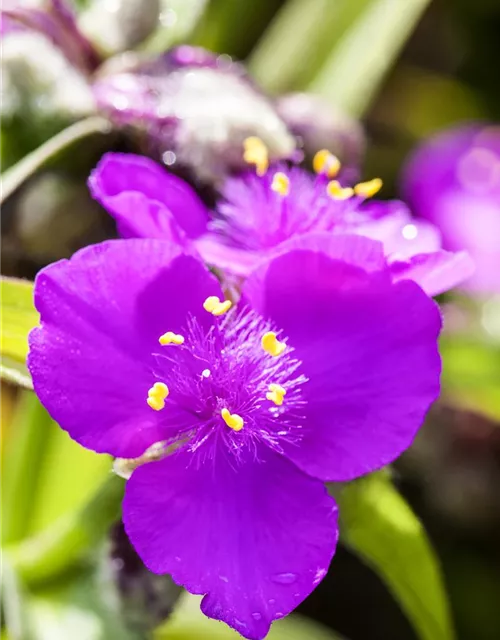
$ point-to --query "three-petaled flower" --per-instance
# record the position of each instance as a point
(322, 371)
(262, 210)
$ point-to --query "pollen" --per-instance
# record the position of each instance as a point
(156, 396)
(337, 192)
(280, 183)
(217, 308)
(271, 344)
(276, 394)
(255, 152)
(233, 420)
(171, 338)
(325, 162)
(368, 189)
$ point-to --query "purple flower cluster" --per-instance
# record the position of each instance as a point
(235, 408)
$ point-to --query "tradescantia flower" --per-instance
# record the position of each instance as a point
(322, 371)
(260, 211)
(453, 180)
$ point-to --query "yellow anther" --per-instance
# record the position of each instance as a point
(255, 152)
(233, 420)
(276, 394)
(156, 396)
(156, 403)
(159, 390)
(171, 338)
(217, 308)
(368, 189)
(271, 344)
(337, 192)
(280, 184)
(325, 162)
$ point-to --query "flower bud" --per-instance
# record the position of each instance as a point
(196, 107)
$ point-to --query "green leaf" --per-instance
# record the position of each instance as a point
(297, 41)
(233, 27)
(25, 443)
(471, 371)
(48, 152)
(360, 59)
(19, 316)
(71, 539)
(378, 526)
(188, 623)
(69, 476)
(14, 605)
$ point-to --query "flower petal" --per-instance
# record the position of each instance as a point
(233, 260)
(402, 235)
(102, 313)
(369, 350)
(255, 537)
(120, 173)
(434, 272)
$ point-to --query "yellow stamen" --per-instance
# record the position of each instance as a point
(276, 394)
(271, 344)
(368, 189)
(281, 184)
(156, 403)
(233, 420)
(325, 162)
(337, 192)
(217, 308)
(255, 152)
(156, 396)
(159, 390)
(171, 338)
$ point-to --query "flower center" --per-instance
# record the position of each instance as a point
(263, 208)
(236, 382)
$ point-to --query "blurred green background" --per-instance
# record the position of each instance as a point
(405, 69)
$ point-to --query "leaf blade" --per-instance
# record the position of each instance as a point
(350, 77)
(381, 529)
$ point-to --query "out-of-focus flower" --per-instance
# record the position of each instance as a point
(259, 214)
(193, 107)
(114, 26)
(453, 180)
(197, 107)
(323, 371)
(46, 61)
(319, 125)
(57, 22)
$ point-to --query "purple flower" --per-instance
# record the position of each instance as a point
(453, 180)
(259, 214)
(323, 371)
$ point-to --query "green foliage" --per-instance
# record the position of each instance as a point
(471, 371)
(50, 151)
(378, 526)
(18, 318)
(367, 48)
